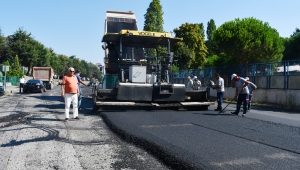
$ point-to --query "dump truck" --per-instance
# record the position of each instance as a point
(136, 74)
(45, 74)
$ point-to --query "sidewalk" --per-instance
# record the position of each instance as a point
(285, 108)
(11, 90)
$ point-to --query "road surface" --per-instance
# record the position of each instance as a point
(34, 136)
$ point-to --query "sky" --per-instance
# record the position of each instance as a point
(76, 27)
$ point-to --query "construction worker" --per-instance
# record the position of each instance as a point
(196, 83)
(220, 91)
(93, 82)
(251, 87)
(241, 94)
(189, 84)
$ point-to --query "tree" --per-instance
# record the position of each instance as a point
(154, 17)
(9, 72)
(22, 44)
(297, 30)
(154, 22)
(2, 47)
(43, 55)
(193, 41)
(21, 49)
(248, 41)
(292, 48)
(211, 27)
(16, 69)
(201, 26)
(183, 55)
(64, 65)
(211, 61)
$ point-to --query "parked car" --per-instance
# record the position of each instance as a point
(1, 90)
(34, 85)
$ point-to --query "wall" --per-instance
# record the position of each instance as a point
(276, 96)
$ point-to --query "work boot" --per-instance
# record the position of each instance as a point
(235, 113)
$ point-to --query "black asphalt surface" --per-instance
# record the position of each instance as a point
(208, 140)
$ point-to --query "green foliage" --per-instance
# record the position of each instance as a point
(183, 54)
(8, 73)
(154, 22)
(175, 68)
(211, 61)
(211, 27)
(22, 44)
(23, 50)
(201, 26)
(154, 17)
(43, 55)
(211, 45)
(2, 47)
(297, 30)
(248, 41)
(16, 68)
(194, 43)
(292, 47)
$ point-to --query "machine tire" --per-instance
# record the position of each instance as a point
(94, 97)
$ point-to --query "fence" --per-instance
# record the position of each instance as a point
(275, 75)
(12, 79)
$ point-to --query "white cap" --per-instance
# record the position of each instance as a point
(233, 75)
(189, 77)
(247, 78)
(195, 77)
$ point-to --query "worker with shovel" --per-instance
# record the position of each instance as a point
(241, 93)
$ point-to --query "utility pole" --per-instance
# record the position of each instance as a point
(5, 69)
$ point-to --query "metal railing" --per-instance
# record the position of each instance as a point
(13, 80)
(275, 75)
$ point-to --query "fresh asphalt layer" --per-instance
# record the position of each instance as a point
(209, 140)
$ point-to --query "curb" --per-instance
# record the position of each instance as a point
(11, 90)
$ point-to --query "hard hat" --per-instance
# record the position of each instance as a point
(233, 75)
(189, 77)
(247, 78)
(195, 77)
